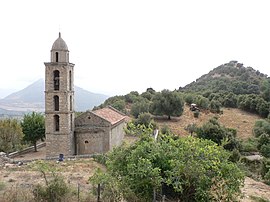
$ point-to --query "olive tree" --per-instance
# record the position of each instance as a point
(33, 126)
(10, 135)
(168, 103)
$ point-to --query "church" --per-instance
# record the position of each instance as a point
(91, 132)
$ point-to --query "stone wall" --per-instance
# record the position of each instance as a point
(117, 135)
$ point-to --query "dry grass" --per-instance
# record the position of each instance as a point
(242, 121)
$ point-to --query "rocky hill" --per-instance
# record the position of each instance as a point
(230, 77)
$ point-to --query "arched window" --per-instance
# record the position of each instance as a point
(56, 122)
(56, 56)
(70, 103)
(70, 86)
(56, 103)
(56, 77)
(71, 122)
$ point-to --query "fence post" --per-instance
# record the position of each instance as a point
(98, 190)
(78, 192)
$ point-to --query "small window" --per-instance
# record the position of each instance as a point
(70, 81)
(56, 103)
(86, 142)
(56, 122)
(71, 122)
(89, 117)
(56, 77)
(70, 103)
(56, 56)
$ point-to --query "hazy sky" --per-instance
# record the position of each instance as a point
(121, 46)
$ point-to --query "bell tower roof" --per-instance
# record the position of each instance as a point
(59, 44)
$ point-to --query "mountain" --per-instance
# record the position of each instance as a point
(32, 98)
(229, 77)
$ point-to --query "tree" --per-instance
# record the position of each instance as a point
(10, 135)
(265, 88)
(183, 169)
(33, 126)
(168, 103)
(212, 130)
(140, 107)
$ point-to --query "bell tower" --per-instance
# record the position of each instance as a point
(59, 101)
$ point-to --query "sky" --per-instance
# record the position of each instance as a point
(119, 46)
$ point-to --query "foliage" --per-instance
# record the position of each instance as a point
(262, 131)
(168, 103)
(230, 100)
(253, 103)
(55, 188)
(265, 150)
(10, 135)
(117, 102)
(139, 107)
(144, 119)
(265, 170)
(185, 169)
(249, 145)
(196, 114)
(137, 129)
(202, 102)
(221, 135)
(261, 126)
(265, 88)
(233, 85)
(191, 128)
(131, 97)
(189, 98)
(215, 106)
(33, 127)
(110, 185)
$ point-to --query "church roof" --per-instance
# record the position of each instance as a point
(110, 114)
(59, 44)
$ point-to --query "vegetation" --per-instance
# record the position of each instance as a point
(33, 127)
(262, 132)
(10, 135)
(55, 188)
(185, 169)
(167, 103)
(221, 135)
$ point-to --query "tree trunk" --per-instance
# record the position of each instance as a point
(35, 146)
(169, 117)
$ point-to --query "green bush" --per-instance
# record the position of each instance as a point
(249, 145)
(196, 114)
(265, 170)
(215, 106)
(265, 150)
(235, 156)
(185, 169)
(55, 190)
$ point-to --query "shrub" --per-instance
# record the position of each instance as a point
(55, 190)
(265, 170)
(185, 169)
(196, 114)
(215, 106)
(265, 150)
(249, 145)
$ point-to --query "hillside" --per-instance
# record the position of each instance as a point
(240, 120)
(32, 98)
(230, 77)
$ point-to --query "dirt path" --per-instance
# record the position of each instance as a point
(254, 188)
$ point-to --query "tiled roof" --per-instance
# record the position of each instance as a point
(110, 114)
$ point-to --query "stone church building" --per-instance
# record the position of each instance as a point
(91, 132)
